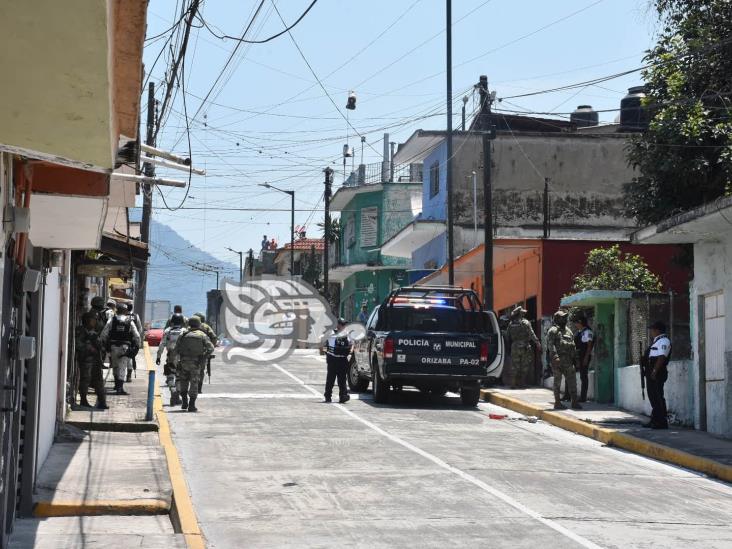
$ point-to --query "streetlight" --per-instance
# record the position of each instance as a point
(292, 224)
(241, 266)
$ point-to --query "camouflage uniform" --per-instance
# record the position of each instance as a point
(192, 349)
(89, 357)
(560, 344)
(205, 328)
(523, 339)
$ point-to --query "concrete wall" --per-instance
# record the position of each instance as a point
(712, 273)
(586, 172)
(395, 203)
(50, 353)
(678, 391)
(549, 384)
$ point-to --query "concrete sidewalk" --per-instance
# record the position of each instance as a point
(106, 481)
(696, 450)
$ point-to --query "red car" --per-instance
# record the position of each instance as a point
(155, 333)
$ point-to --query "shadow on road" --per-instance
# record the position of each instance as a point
(414, 399)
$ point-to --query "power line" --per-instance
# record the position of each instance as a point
(228, 61)
(243, 40)
(319, 82)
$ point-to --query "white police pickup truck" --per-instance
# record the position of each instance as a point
(435, 338)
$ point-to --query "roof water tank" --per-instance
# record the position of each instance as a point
(634, 116)
(583, 116)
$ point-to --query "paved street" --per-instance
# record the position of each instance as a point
(269, 465)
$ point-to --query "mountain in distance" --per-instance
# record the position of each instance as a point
(171, 273)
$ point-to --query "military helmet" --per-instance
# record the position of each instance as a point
(97, 302)
(194, 322)
(88, 317)
(560, 314)
(518, 311)
(201, 316)
(123, 308)
(111, 303)
(177, 320)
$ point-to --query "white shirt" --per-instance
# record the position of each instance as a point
(661, 346)
(586, 335)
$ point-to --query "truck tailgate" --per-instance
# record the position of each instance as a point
(436, 353)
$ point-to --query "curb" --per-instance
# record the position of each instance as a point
(45, 509)
(114, 427)
(612, 437)
(182, 514)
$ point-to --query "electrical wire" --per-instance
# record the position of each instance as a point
(265, 40)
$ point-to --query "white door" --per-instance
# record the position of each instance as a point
(714, 346)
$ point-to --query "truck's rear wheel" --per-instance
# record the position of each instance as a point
(381, 387)
(470, 395)
(356, 383)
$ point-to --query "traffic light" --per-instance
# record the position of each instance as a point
(351, 104)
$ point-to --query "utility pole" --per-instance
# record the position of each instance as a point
(251, 263)
(326, 224)
(487, 133)
(465, 101)
(149, 171)
(547, 228)
(292, 236)
(450, 248)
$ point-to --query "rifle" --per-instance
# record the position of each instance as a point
(208, 368)
(643, 363)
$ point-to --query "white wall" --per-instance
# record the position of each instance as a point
(678, 391)
(713, 273)
(549, 384)
(52, 343)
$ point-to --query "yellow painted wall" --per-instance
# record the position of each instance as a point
(55, 68)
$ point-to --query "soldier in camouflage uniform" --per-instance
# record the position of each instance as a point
(89, 357)
(214, 340)
(192, 349)
(523, 340)
(563, 355)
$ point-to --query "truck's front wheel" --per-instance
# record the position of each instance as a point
(356, 383)
(381, 387)
(470, 395)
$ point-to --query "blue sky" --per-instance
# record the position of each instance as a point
(268, 120)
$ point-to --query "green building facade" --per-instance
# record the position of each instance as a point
(370, 214)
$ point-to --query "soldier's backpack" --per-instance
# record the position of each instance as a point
(173, 336)
(191, 345)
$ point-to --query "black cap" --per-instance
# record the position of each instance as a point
(342, 322)
(658, 325)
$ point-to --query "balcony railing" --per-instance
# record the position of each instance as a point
(372, 174)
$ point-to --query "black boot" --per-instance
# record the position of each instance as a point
(174, 398)
(129, 376)
(102, 403)
(121, 388)
(184, 401)
(83, 401)
(192, 405)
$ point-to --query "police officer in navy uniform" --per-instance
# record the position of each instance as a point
(655, 364)
(584, 340)
(337, 350)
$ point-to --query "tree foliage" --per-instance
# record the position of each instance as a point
(685, 157)
(312, 267)
(611, 269)
(335, 229)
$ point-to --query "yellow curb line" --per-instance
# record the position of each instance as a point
(45, 509)
(182, 513)
(615, 438)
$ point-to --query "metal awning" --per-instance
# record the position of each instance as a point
(125, 250)
(703, 224)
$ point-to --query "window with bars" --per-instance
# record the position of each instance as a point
(434, 179)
